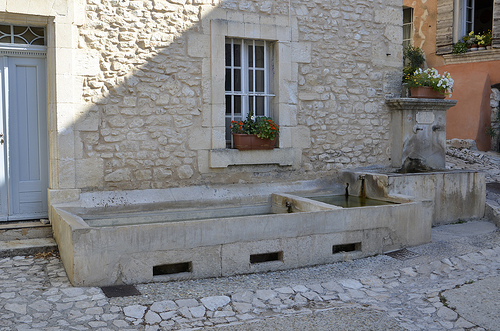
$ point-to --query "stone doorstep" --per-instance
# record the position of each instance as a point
(23, 225)
(25, 238)
(10, 231)
(27, 247)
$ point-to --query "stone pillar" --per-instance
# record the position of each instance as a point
(418, 133)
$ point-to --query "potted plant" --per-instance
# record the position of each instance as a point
(254, 133)
(429, 83)
(471, 41)
(413, 58)
(460, 48)
(487, 38)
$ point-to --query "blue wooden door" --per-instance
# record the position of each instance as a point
(25, 138)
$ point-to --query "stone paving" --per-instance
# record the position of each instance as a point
(35, 292)
(419, 289)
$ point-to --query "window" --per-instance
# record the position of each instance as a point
(407, 27)
(475, 15)
(27, 35)
(248, 83)
(456, 18)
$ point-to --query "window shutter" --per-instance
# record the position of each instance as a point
(444, 28)
(496, 24)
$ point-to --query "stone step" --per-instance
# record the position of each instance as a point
(27, 247)
(25, 230)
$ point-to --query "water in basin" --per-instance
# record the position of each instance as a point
(350, 201)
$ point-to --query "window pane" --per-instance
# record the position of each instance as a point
(228, 129)
(250, 104)
(406, 31)
(259, 80)
(250, 80)
(228, 55)
(5, 39)
(250, 56)
(237, 79)
(259, 56)
(228, 104)
(38, 41)
(237, 106)
(407, 15)
(228, 80)
(5, 29)
(237, 55)
(260, 109)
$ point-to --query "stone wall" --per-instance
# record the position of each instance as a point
(495, 124)
(145, 97)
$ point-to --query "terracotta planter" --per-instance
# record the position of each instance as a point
(246, 142)
(425, 92)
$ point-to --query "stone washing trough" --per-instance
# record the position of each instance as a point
(108, 238)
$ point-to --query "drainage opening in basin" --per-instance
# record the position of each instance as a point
(174, 268)
(346, 248)
(266, 257)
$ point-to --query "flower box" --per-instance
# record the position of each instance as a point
(426, 92)
(245, 142)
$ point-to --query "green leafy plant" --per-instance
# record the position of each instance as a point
(413, 58)
(494, 130)
(459, 48)
(261, 126)
(488, 37)
(430, 77)
(470, 39)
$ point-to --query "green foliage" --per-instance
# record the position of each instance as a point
(413, 58)
(261, 126)
(494, 130)
(459, 48)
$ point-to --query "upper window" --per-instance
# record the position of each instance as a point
(27, 35)
(476, 15)
(248, 80)
(407, 27)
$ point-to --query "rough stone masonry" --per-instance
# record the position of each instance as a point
(151, 115)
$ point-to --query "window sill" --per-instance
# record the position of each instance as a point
(473, 56)
(222, 158)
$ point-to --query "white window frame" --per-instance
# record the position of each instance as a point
(287, 53)
(247, 93)
(468, 26)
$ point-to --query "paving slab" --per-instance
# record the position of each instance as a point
(477, 302)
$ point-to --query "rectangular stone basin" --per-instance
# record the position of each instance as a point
(126, 244)
(455, 194)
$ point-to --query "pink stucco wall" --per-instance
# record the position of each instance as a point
(470, 118)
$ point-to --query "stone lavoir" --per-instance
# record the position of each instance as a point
(140, 96)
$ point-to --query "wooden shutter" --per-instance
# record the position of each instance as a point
(444, 28)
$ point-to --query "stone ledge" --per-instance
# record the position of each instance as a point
(222, 158)
(474, 56)
(419, 104)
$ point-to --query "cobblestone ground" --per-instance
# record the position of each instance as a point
(399, 292)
